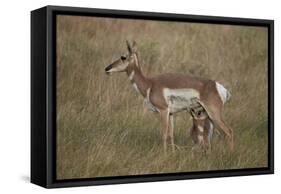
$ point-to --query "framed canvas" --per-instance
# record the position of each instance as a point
(126, 96)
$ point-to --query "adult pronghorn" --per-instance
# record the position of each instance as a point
(171, 93)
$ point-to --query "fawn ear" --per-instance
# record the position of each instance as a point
(192, 112)
(129, 47)
(134, 47)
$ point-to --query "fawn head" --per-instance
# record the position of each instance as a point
(199, 114)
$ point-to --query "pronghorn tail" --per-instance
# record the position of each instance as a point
(223, 92)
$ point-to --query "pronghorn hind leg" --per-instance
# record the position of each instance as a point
(164, 116)
(227, 130)
(171, 128)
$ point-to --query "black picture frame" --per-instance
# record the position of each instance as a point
(43, 95)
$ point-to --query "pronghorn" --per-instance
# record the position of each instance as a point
(202, 128)
(169, 93)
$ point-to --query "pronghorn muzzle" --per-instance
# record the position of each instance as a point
(108, 68)
(119, 65)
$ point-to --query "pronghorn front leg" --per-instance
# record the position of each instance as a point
(164, 116)
(171, 127)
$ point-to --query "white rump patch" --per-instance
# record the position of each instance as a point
(223, 93)
(180, 99)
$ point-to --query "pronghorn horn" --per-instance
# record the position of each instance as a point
(129, 46)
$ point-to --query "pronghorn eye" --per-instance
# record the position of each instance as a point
(199, 113)
(123, 58)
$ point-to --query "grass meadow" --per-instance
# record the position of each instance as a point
(103, 128)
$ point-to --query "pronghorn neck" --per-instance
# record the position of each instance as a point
(139, 81)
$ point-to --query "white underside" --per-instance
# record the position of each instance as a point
(180, 99)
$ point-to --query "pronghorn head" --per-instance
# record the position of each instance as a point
(125, 61)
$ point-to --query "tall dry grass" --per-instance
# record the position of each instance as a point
(103, 128)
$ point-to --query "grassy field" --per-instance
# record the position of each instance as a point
(103, 129)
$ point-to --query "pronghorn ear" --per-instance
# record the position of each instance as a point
(134, 47)
(129, 47)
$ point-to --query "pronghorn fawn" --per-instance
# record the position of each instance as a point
(202, 128)
(169, 93)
